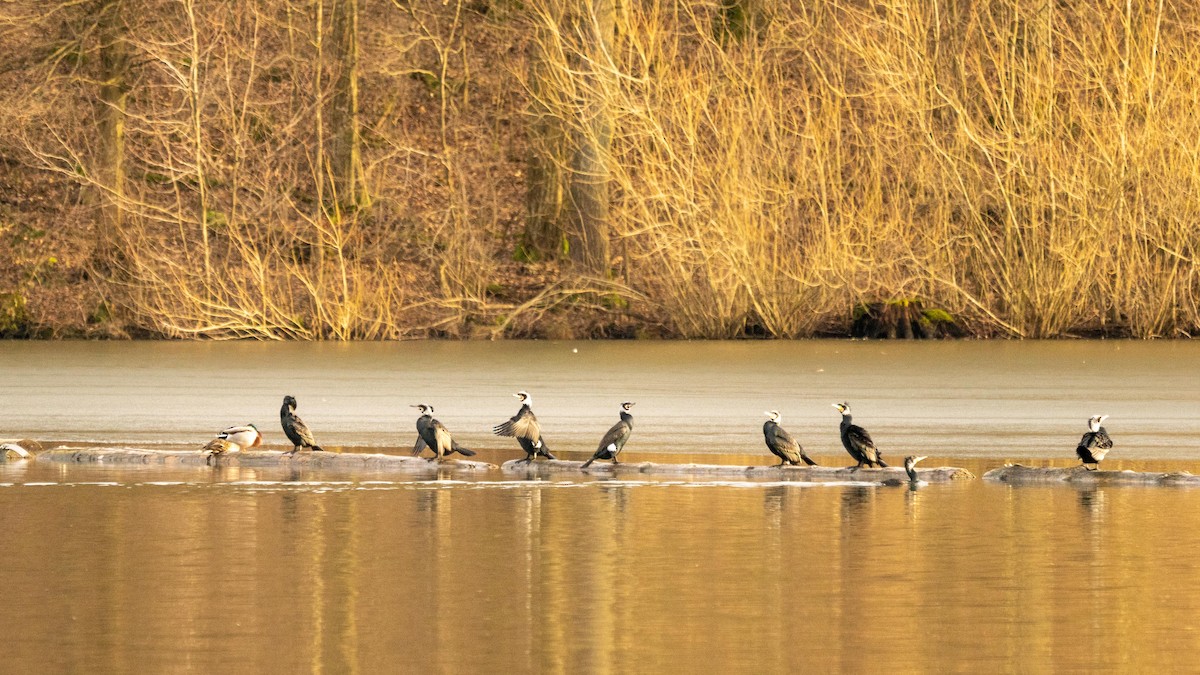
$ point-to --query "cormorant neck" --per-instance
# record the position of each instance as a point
(626, 417)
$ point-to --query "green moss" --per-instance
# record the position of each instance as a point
(937, 316)
(13, 320)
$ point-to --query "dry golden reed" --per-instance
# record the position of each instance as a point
(1032, 167)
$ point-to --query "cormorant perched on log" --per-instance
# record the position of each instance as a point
(295, 428)
(614, 440)
(781, 444)
(1095, 444)
(431, 434)
(858, 442)
(525, 428)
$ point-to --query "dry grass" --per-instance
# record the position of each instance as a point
(1032, 167)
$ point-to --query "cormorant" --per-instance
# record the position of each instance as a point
(910, 468)
(613, 441)
(525, 428)
(858, 442)
(1095, 444)
(431, 434)
(781, 444)
(295, 428)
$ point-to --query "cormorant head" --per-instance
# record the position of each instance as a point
(843, 408)
(774, 415)
(524, 397)
(626, 406)
(1094, 422)
(289, 402)
(422, 408)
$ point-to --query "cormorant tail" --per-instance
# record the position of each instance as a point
(465, 452)
(882, 464)
(317, 448)
(808, 460)
(587, 463)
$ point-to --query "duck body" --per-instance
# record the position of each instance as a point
(247, 436)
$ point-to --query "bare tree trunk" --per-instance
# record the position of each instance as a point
(591, 136)
(114, 63)
(345, 141)
(548, 157)
(568, 182)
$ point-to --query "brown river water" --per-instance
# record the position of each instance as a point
(197, 569)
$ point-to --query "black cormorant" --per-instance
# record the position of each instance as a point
(910, 468)
(858, 442)
(781, 444)
(433, 435)
(295, 428)
(613, 441)
(1095, 444)
(525, 428)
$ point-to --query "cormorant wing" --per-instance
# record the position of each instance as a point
(419, 446)
(521, 425)
(442, 436)
(613, 435)
(302, 431)
(861, 440)
(1101, 440)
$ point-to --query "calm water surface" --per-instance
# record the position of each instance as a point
(205, 570)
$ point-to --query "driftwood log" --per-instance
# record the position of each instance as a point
(560, 468)
(1030, 475)
(337, 461)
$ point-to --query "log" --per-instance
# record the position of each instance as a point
(558, 467)
(1018, 474)
(338, 461)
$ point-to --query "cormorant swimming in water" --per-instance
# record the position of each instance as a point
(781, 444)
(295, 428)
(1095, 444)
(858, 442)
(525, 428)
(910, 468)
(431, 434)
(614, 440)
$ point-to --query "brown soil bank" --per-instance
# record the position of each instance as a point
(370, 169)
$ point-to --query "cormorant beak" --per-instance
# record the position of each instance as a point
(917, 459)
(1102, 418)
